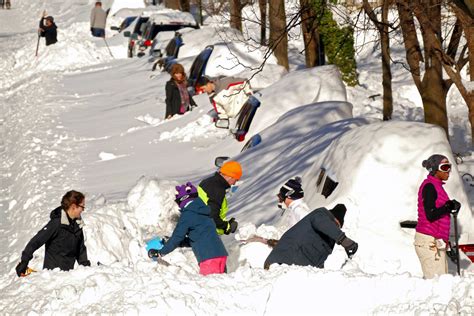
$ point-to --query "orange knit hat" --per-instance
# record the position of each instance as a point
(232, 169)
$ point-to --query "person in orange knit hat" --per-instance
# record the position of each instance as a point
(212, 191)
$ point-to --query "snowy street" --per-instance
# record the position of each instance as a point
(75, 117)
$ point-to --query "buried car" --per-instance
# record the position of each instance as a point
(372, 167)
(162, 21)
(262, 109)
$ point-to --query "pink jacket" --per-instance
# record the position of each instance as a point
(439, 228)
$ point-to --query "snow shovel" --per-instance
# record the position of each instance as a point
(456, 240)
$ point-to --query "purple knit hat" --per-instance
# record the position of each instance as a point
(185, 193)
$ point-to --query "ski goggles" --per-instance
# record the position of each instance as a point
(444, 167)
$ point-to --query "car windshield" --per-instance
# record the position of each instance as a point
(163, 28)
(139, 27)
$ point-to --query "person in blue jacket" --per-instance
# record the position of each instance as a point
(196, 224)
(310, 241)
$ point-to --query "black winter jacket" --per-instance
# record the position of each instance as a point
(50, 34)
(309, 242)
(64, 242)
(173, 98)
(216, 188)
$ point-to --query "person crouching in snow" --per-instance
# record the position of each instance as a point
(290, 200)
(62, 236)
(310, 241)
(434, 208)
(196, 224)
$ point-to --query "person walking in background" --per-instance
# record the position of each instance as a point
(434, 209)
(98, 20)
(212, 191)
(290, 200)
(310, 241)
(177, 96)
(48, 29)
(195, 224)
(62, 236)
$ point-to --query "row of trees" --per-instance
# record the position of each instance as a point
(438, 37)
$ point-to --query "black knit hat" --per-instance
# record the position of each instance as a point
(339, 211)
(432, 163)
(291, 189)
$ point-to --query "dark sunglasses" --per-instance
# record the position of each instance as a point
(444, 167)
(82, 206)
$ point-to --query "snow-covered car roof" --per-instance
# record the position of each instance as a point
(126, 12)
(168, 16)
(315, 84)
(117, 5)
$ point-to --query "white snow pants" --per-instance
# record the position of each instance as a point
(432, 256)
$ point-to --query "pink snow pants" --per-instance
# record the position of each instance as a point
(213, 265)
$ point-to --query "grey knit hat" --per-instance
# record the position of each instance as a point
(432, 163)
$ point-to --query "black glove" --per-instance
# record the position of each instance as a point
(232, 226)
(456, 207)
(21, 268)
(153, 253)
(349, 245)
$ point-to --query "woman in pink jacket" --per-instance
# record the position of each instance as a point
(434, 209)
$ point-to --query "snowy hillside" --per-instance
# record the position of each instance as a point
(78, 117)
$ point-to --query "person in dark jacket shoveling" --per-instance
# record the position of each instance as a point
(196, 224)
(62, 236)
(48, 29)
(310, 241)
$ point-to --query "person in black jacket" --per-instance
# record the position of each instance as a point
(310, 241)
(62, 237)
(48, 30)
(213, 191)
(177, 95)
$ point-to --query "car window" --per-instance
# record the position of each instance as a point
(199, 65)
(139, 26)
(245, 117)
(253, 141)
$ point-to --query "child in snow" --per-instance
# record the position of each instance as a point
(177, 95)
(48, 29)
(434, 208)
(312, 239)
(62, 236)
(213, 191)
(290, 200)
(196, 224)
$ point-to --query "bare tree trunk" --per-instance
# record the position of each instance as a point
(278, 34)
(469, 31)
(262, 4)
(382, 27)
(433, 89)
(185, 5)
(466, 20)
(201, 20)
(236, 14)
(386, 71)
(172, 4)
(311, 37)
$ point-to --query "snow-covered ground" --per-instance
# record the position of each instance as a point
(77, 118)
